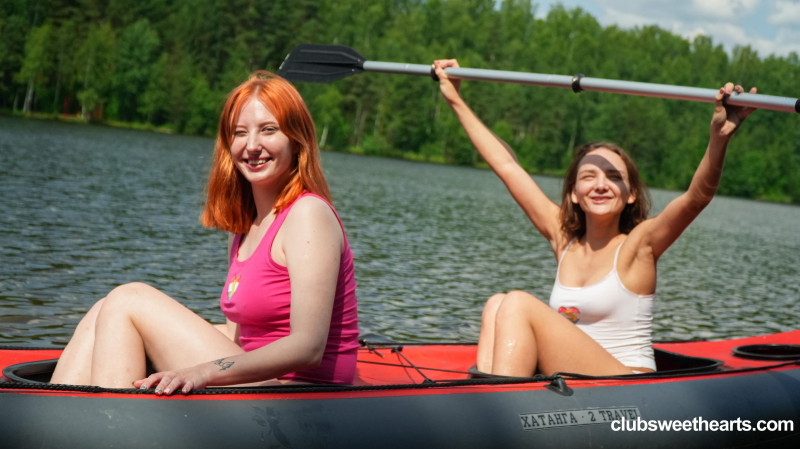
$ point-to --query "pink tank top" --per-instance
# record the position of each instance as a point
(257, 296)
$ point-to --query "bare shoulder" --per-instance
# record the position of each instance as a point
(313, 208)
(313, 214)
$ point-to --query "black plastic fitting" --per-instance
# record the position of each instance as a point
(576, 83)
(434, 75)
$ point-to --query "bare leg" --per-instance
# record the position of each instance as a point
(529, 334)
(486, 338)
(137, 319)
(75, 364)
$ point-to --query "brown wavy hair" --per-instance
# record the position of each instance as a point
(573, 219)
(229, 196)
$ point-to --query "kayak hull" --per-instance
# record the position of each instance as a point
(447, 420)
(496, 415)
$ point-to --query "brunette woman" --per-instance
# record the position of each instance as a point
(601, 308)
(290, 293)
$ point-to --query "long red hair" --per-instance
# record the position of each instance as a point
(229, 198)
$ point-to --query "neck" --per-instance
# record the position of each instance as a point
(601, 230)
(265, 202)
(265, 198)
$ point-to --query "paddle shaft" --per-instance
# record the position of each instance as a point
(579, 83)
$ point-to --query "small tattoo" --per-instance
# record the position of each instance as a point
(223, 364)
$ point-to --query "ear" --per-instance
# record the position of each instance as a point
(573, 196)
(631, 198)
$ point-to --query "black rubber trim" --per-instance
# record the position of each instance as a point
(14, 381)
(797, 106)
(576, 83)
(336, 388)
(30, 348)
(669, 375)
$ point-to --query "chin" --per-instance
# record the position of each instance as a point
(603, 211)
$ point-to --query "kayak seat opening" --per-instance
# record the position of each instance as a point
(666, 362)
(40, 371)
(31, 372)
(768, 352)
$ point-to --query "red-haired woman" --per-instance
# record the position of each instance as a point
(290, 293)
(600, 313)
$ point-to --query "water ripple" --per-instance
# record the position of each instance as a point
(431, 242)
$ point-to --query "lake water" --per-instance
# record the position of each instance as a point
(84, 209)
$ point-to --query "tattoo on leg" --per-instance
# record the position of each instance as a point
(223, 364)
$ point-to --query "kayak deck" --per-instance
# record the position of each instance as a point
(395, 364)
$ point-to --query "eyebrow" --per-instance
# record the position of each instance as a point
(268, 122)
(593, 169)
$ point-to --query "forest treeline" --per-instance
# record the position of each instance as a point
(170, 63)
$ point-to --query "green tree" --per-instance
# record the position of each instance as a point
(95, 65)
(152, 102)
(137, 52)
(37, 62)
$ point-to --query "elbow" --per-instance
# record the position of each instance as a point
(701, 192)
(315, 360)
(697, 203)
(312, 355)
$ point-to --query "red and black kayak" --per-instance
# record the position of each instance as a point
(427, 395)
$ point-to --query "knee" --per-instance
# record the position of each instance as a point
(516, 304)
(91, 315)
(124, 296)
(88, 321)
(490, 309)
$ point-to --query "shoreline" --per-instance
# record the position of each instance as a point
(359, 151)
(76, 119)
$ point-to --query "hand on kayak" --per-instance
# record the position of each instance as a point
(449, 87)
(168, 382)
(727, 118)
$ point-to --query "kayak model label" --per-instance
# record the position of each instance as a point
(584, 417)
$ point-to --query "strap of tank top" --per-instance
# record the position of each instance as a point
(564, 253)
(275, 226)
(616, 256)
(237, 239)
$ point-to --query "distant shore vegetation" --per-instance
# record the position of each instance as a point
(167, 65)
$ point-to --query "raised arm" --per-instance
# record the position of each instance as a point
(543, 212)
(659, 232)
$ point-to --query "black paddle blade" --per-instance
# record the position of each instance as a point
(319, 63)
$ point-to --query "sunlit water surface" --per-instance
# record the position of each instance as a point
(84, 209)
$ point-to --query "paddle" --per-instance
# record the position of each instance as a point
(319, 63)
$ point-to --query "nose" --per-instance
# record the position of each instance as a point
(601, 183)
(252, 142)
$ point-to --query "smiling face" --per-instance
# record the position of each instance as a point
(259, 149)
(602, 186)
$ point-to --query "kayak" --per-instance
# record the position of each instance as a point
(730, 393)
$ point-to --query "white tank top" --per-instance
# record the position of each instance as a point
(618, 319)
